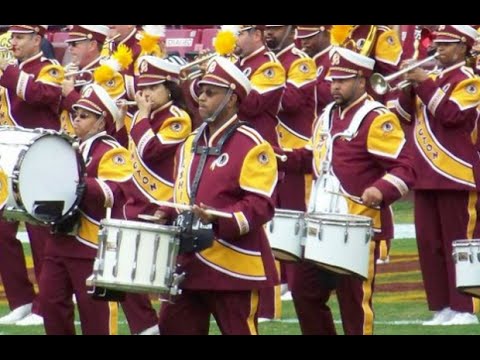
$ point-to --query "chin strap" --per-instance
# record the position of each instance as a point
(220, 108)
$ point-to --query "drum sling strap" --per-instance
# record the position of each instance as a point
(194, 236)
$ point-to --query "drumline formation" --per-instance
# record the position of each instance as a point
(140, 257)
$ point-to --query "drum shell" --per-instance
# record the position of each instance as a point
(339, 243)
(466, 256)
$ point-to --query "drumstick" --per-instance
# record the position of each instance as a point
(217, 213)
(354, 198)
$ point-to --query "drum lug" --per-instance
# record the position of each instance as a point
(135, 258)
(346, 233)
(368, 235)
(297, 227)
(272, 225)
(320, 232)
(117, 255)
(153, 271)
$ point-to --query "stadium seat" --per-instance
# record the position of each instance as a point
(182, 41)
(207, 38)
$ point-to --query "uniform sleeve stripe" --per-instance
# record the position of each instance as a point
(397, 182)
(251, 134)
(144, 141)
(22, 84)
(435, 101)
(107, 192)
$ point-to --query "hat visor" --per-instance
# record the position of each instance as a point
(74, 38)
(306, 35)
(149, 81)
(335, 74)
(214, 83)
(81, 105)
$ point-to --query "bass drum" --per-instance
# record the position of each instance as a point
(41, 175)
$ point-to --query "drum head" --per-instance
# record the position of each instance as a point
(48, 179)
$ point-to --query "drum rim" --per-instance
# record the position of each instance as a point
(345, 217)
(294, 214)
(466, 243)
(138, 225)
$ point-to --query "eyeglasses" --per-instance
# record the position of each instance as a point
(84, 115)
(209, 92)
(75, 43)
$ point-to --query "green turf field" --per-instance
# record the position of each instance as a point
(397, 312)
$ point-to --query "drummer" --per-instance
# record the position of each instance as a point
(68, 260)
(373, 164)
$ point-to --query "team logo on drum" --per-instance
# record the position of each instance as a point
(263, 158)
(143, 67)
(336, 59)
(119, 160)
(388, 127)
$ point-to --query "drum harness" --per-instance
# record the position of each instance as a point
(194, 236)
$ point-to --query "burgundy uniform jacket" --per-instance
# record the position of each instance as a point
(239, 181)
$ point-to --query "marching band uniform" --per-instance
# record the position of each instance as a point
(80, 33)
(267, 77)
(29, 97)
(154, 142)
(448, 167)
(374, 157)
(322, 62)
(224, 278)
(69, 259)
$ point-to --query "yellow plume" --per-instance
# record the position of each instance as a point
(225, 42)
(124, 56)
(103, 74)
(149, 44)
(340, 33)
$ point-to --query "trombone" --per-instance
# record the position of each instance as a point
(381, 84)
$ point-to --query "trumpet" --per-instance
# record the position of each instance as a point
(121, 103)
(81, 82)
(381, 84)
(184, 75)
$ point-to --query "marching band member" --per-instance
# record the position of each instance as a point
(267, 77)
(29, 97)
(69, 259)
(227, 165)
(378, 42)
(159, 127)
(373, 165)
(141, 317)
(315, 40)
(85, 44)
(448, 168)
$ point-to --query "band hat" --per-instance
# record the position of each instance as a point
(28, 29)
(456, 33)
(249, 27)
(87, 32)
(153, 70)
(96, 99)
(346, 64)
(223, 73)
(306, 31)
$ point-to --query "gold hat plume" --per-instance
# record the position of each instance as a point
(340, 33)
(226, 40)
(149, 41)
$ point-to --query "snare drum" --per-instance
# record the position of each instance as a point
(40, 172)
(339, 243)
(285, 233)
(135, 257)
(466, 256)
